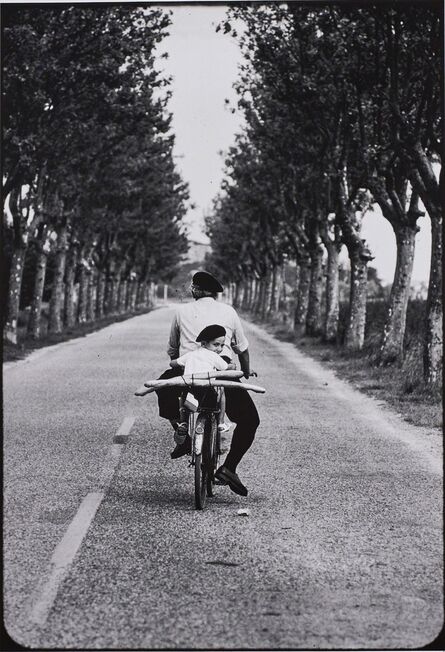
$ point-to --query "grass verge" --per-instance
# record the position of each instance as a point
(392, 384)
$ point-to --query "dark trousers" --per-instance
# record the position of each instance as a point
(239, 408)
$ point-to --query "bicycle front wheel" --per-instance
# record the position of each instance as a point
(201, 477)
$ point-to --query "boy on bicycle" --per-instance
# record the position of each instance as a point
(206, 358)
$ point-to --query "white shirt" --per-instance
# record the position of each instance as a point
(201, 360)
(191, 318)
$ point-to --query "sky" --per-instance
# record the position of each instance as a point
(204, 65)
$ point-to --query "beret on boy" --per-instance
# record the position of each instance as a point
(207, 282)
(211, 333)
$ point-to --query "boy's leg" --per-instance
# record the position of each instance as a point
(168, 398)
(223, 428)
(168, 401)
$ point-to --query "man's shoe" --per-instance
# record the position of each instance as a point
(229, 477)
(182, 449)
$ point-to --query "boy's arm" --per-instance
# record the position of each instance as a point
(219, 363)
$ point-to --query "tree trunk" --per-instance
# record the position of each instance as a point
(84, 279)
(122, 296)
(109, 287)
(253, 294)
(115, 282)
(232, 291)
(128, 295)
(313, 317)
(332, 298)
(15, 286)
(57, 292)
(295, 293)
(152, 294)
(245, 304)
(39, 284)
(250, 294)
(272, 299)
(242, 292)
(267, 294)
(227, 294)
(355, 330)
(17, 265)
(432, 351)
(141, 292)
(359, 256)
(258, 294)
(100, 294)
(91, 298)
(70, 273)
(423, 180)
(236, 294)
(393, 207)
(302, 297)
(280, 294)
(134, 291)
(394, 329)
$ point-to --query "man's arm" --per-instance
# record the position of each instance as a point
(244, 360)
(239, 342)
(174, 339)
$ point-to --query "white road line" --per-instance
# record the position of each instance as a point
(110, 464)
(63, 556)
(71, 541)
(124, 430)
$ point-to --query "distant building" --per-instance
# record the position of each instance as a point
(197, 251)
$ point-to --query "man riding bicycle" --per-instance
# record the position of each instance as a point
(190, 319)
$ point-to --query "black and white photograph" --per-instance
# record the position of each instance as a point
(222, 325)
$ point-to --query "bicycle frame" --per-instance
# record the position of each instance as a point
(195, 428)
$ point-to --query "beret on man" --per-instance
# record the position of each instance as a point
(211, 333)
(207, 282)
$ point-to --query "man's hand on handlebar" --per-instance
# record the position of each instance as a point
(245, 364)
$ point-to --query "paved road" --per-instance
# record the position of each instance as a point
(103, 548)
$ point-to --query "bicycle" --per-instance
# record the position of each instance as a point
(202, 424)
